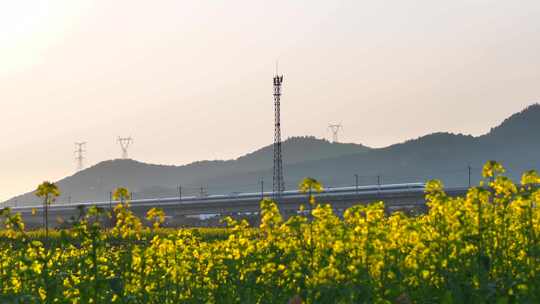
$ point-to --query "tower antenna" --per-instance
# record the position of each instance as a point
(79, 154)
(125, 142)
(278, 183)
(334, 128)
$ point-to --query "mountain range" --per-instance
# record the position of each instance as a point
(445, 156)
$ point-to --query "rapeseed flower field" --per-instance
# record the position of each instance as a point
(481, 248)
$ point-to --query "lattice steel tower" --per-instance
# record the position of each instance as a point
(125, 142)
(334, 128)
(278, 183)
(79, 155)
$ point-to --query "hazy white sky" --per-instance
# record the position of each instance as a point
(192, 80)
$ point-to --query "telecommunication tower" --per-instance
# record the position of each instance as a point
(125, 142)
(278, 183)
(79, 155)
(334, 128)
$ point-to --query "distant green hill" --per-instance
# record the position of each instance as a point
(445, 156)
(297, 149)
(439, 155)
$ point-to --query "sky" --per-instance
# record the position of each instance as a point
(192, 80)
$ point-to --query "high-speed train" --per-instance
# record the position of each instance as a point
(327, 193)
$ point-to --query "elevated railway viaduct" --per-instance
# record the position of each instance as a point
(207, 212)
